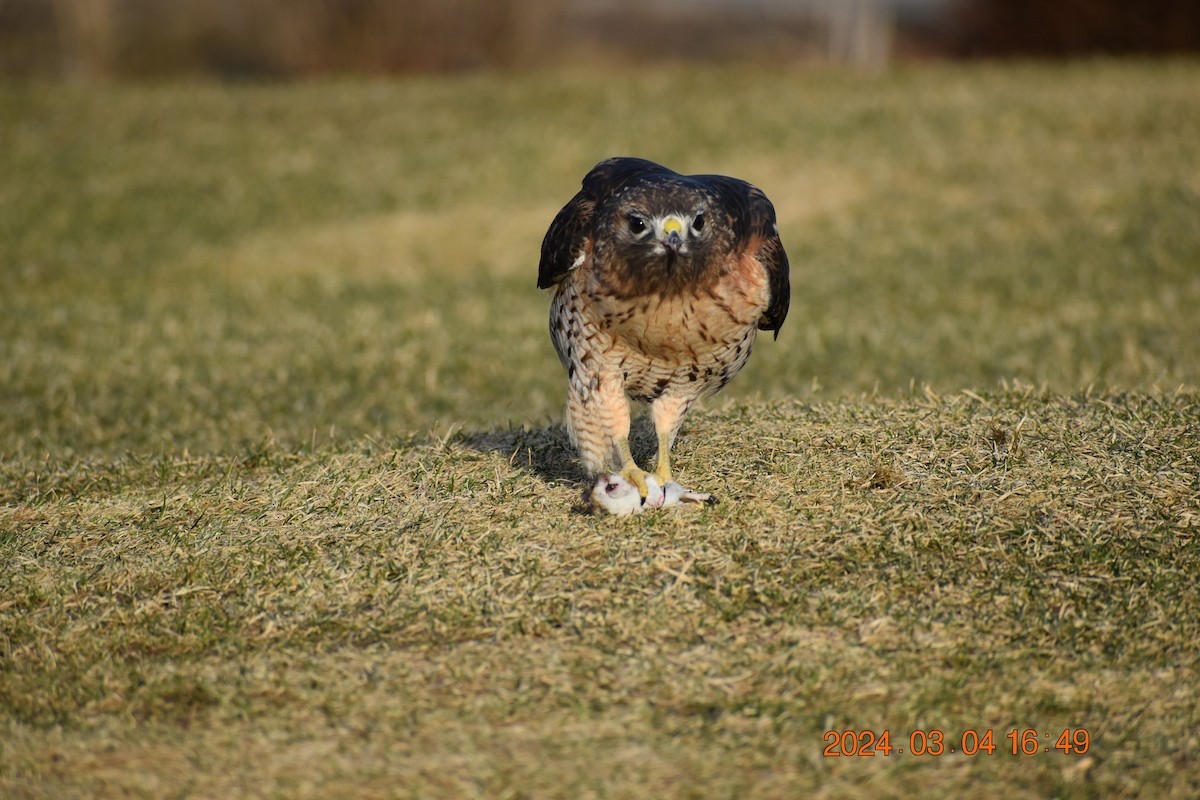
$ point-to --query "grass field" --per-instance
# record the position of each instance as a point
(286, 508)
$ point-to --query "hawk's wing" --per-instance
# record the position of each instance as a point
(568, 239)
(752, 218)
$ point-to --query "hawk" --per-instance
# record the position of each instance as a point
(661, 282)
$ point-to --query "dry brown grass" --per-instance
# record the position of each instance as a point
(431, 618)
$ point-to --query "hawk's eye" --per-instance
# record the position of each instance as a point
(637, 224)
(698, 222)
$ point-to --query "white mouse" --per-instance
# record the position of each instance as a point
(617, 495)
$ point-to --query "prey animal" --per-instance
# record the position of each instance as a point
(616, 495)
(660, 282)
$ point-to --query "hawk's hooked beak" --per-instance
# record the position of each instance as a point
(672, 229)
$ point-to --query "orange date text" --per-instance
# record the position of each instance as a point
(970, 742)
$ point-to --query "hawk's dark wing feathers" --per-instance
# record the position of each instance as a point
(753, 219)
(568, 235)
(566, 240)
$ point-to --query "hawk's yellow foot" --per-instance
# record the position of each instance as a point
(637, 476)
(630, 471)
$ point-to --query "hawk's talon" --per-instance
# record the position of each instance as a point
(637, 476)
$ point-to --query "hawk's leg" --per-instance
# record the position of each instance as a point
(598, 420)
(667, 413)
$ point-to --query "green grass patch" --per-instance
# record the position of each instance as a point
(286, 510)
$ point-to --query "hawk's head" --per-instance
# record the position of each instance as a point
(645, 230)
(661, 233)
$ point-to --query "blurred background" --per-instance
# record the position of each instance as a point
(267, 39)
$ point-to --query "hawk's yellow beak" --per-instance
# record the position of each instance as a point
(672, 228)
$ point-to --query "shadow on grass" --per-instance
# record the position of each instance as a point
(547, 452)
